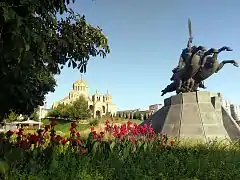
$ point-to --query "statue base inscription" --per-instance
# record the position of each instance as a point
(194, 115)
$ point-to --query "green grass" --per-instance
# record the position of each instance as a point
(210, 161)
(64, 126)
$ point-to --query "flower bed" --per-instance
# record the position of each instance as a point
(126, 151)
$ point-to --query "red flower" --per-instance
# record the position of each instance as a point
(135, 125)
(78, 142)
(92, 129)
(64, 141)
(73, 125)
(78, 134)
(47, 127)
(129, 123)
(53, 122)
(58, 138)
(107, 122)
(72, 130)
(20, 131)
(83, 151)
(71, 139)
(33, 138)
(172, 142)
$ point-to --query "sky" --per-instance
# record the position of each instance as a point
(146, 38)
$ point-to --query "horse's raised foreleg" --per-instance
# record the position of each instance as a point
(170, 88)
(224, 48)
(233, 62)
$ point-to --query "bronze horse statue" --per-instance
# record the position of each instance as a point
(212, 65)
(199, 67)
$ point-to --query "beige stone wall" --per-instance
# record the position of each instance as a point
(99, 104)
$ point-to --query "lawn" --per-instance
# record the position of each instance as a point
(64, 126)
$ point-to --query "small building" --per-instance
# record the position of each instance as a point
(155, 107)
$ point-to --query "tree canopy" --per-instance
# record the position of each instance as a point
(35, 45)
(77, 110)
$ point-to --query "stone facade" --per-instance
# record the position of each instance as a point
(235, 111)
(232, 109)
(155, 107)
(99, 104)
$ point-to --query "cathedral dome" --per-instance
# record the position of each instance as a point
(81, 81)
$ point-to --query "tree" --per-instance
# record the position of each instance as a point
(23, 93)
(35, 115)
(61, 111)
(35, 45)
(134, 116)
(79, 109)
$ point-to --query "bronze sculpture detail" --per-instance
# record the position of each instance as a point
(195, 65)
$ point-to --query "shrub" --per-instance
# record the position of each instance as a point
(93, 122)
(12, 117)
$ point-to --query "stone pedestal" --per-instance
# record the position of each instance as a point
(195, 115)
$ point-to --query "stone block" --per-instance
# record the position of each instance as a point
(189, 97)
(172, 120)
(191, 131)
(191, 114)
(158, 119)
(203, 97)
(167, 101)
(215, 130)
(177, 99)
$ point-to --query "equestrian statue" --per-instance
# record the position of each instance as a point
(195, 65)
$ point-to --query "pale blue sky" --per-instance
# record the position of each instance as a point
(146, 38)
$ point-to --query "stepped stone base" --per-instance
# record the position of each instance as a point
(195, 115)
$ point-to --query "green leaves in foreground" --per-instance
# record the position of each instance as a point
(35, 45)
(107, 161)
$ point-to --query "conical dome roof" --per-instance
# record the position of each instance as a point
(81, 82)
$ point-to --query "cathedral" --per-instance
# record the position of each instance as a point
(99, 105)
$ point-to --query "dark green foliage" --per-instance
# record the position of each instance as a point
(35, 116)
(94, 122)
(79, 110)
(144, 116)
(61, 111)
(34, 46)
(12, 117)
(134, 116)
